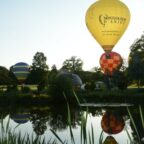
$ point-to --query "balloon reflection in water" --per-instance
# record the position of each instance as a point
(21, 71)
(110, 62)
(20, 118)
(112, 122)
(107, 20)
(110, 140)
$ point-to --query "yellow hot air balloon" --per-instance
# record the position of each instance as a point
(107, 20)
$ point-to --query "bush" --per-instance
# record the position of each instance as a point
(120, 80)
(12, 88)
(25, 89)
(61, 85)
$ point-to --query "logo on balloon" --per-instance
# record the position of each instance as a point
(104, 19)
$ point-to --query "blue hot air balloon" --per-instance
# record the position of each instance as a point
(21, 71)
(75, 79)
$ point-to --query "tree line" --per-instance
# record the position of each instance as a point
(41, 75)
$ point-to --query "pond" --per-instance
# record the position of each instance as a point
(85, 124)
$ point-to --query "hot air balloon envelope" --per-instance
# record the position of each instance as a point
(21, 71)
(110, 140)
(110, 62)
(20, 118)
(75, 79)
(107, 20)
(112, 123)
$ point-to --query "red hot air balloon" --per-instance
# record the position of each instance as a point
(112, 122)
(110, 61)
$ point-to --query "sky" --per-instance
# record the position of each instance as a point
(57, 28)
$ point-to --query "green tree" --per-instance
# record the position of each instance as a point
(136, 61)
(39, 62)
(96, 69)
(5, 78)
(52, 75)
(61, 84)
(137, 46)
(136, 69)
(54, 68)
(73, 64)
(39, 71)
(12, 76)
(119, 79)
(89, 76)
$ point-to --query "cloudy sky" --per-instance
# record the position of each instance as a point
(57, 28)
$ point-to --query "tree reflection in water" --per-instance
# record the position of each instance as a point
(59, 117)
(55, 117)
(39, 123)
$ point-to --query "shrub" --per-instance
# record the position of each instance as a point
(25, 89)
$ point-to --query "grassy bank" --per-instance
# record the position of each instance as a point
(130, 95)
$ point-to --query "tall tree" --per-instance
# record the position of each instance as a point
(136, 61)
(5, 78)
(136, 69)
(73, 64)
(39, 70)
(96, 69)
(119, 79)
(52, 74)
(54, 68)
(39, 62)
